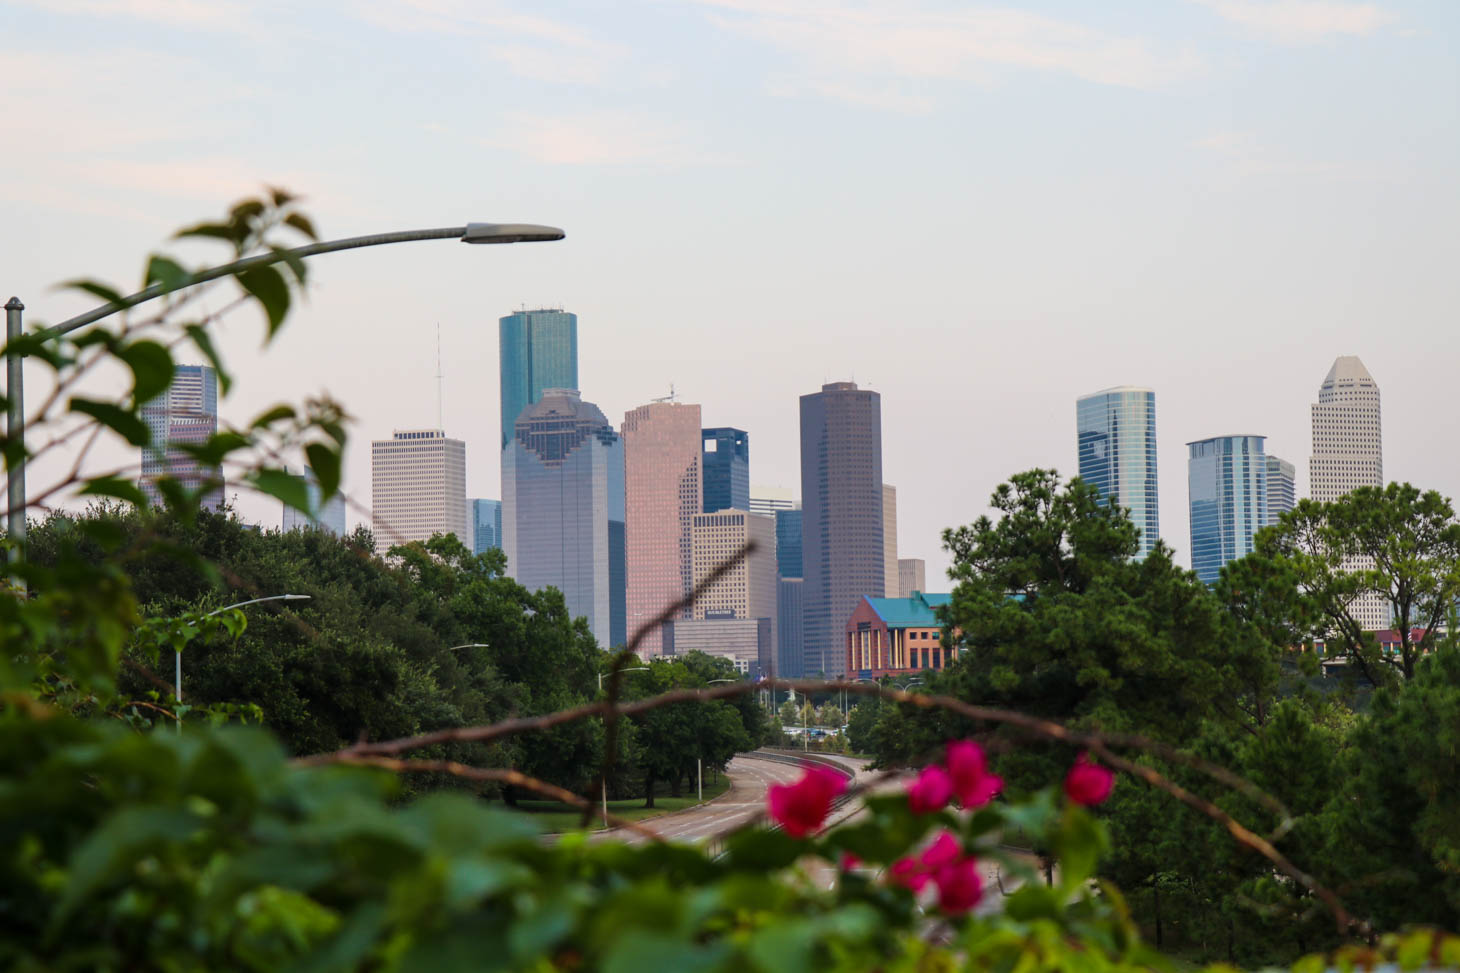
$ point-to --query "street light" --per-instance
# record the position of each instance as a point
(469, 645)
(604, 782)
(15, 420)
(177, 654)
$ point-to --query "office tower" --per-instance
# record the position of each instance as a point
(1348, 452)
(790, 637)
(1227, 484)
(768, 499)
(662, 493)
(486, 525)
(889, 539)
(1117, 441)
(912, 575)
(1348, 446)
(841, 501)
(185, 415)
(539, 351)
(726, 469)
(788, 544)
(745, 592)
(418, 487)
(1282, 491)
(563, 509)
(331, 515)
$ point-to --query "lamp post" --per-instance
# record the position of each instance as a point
(177, 655)
(604, 783)
(15, 428)
(468, 645)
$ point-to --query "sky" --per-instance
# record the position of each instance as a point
(981, 211)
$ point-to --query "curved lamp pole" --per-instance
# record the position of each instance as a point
(470, 233)
(177, 656)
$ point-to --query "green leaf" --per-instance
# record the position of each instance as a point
(204, 343)
(1033, 902)
(1079, 842)
(763, 850)
(301, 223)
(278, 413)
(216, 449)
(280, 197)
(637, 952)
(95, 289)
(291, 489)
(152, 369)
(167, 272)
(294, 262)
(113, 486)
(326, 465)
(217, 231)
(268, 287)
(124, 423)
(112, 851)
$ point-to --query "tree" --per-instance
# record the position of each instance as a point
(1397, 544)
(789, 714)
(831, 716)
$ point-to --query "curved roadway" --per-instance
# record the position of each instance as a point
(749, 780)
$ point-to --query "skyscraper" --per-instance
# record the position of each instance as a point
(912, 575)
(1117, 442)
(842, 502)
(1348, 452)
(331, 515)
(418, 487)
(186, 414)
(768, 499)
(1282, 491)
(889, 539)
(563, 509)
(747, 592)
(486, 525)
(1227, 483)
(788, 543)
(662, 493)
(726, 466)
(539, 350)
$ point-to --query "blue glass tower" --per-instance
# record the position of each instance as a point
(486, 524)
(726, 469)
(788, 544)
(1117, 441)
(1227, 478)
(539, 350)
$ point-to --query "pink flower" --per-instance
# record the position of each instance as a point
(849, 861)
(959, 886)
(909, 873)
(931, 791)
(973, 785)
(944, 851)
(1088, 783)
(800, 808)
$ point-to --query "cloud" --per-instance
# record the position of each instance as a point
(1302, 21)
(206, 14)
(890, 42)
(604, 138)
(1247, 154)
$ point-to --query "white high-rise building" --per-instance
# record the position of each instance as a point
(331, 514)
(890, 579)
(1348, 453)
(418, 487)
(745, 593)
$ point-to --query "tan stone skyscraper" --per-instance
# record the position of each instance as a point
(1348, 452)
(662, 493)
(889, 540)
(418, 487)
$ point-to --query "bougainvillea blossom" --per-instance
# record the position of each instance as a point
(1088, 783)
(973, 785)
(931, 791)
(800, 808)
(959, 886)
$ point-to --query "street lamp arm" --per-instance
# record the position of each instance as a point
(470, 233)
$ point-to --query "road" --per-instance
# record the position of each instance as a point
(749, 780)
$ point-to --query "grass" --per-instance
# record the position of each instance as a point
(554, 816)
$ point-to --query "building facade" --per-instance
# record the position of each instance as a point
(912, 575)
(331, 515)
(744, 641)
(747, 590)
(538, 351)
(1282, 488)
(418, 487)
(1227, 487)
(1348, 453)
(896, 636)
(842, 502)
(1117, 443)
(186, 414)
(789, 562)
(563, 509)
(662, 492)
(486, 525)
(725, 466)
(769, 499)
(889, 540)
(790, 639)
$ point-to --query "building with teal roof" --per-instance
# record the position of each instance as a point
(897, 636)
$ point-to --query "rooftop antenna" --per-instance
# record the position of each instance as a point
(440, 420)
(666, 398)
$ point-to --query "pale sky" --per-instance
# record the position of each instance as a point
(980, 211)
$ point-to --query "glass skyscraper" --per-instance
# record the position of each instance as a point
(788, 543)
(185, 415)
(1117, 441)
(563, 509)
(1282, 490)
(486, 525)
(726, 469)
(539, 351)
(1227, 480)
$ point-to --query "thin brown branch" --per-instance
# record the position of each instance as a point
(513, 778)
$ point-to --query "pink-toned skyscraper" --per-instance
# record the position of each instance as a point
(662, 493)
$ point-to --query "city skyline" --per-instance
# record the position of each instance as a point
(1117, 435)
